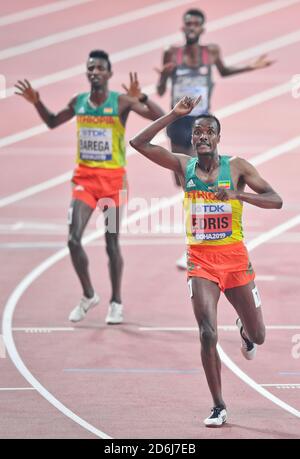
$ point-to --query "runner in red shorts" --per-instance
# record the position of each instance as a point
(217, 257)
(100, 174)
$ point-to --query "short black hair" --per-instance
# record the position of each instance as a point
(194, 12)
(99, 54)
(209, 116)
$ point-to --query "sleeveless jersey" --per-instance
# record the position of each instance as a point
(193, 82)
(100, 133)
(210, 221)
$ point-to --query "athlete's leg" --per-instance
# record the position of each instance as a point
(246, 302)
(112, 224)
(79, 215)
(205, 296)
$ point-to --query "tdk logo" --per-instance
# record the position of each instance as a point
(213, 208)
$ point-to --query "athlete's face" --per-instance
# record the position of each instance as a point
(205, 136)
(192, 28)
(97, 72)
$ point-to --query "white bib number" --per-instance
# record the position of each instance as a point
(95, 144)
(192, 87)
(211, 221)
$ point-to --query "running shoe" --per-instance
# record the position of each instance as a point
(114, 314)
(248, 349)
(85, 304)
(217, 418)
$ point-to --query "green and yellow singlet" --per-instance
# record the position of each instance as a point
(100, 133)
(210, 221)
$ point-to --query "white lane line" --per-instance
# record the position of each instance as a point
(220, 327)
(229, 110)
(251, 13)
(22, 287)
(5, 389)
(55, 181)
(82, 31)
(277, 230)
(43, 329)
(125, 242)
(222, 113)
(254, 385)
(40, 11)
(23, 135)
(252, 101)
(58, 245)
(265, 47)
(233, 328)
(167, 40)
(283, 386)
(266, 278)
(40, 269)
(274, 232)
(276, 151)
(30, 226)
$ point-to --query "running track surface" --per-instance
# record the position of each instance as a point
(130, 381)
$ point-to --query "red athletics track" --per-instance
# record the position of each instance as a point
(118, 379)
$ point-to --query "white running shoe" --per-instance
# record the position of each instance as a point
(79, 312)
(248, 349)
(217, 418)
(115, 313)
(181, 263)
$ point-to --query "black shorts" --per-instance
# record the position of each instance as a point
(180, 132)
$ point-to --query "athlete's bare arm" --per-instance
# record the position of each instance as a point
(224, 70)
(157, 154)
(133, 101)
(247, 174)
(51, 119)
(169, 63)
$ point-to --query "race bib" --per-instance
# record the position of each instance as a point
(95, 144)
(192, 87)
(211, 221)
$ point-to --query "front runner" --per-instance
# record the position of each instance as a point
(100, 174)
(217, 257)
(190, 69)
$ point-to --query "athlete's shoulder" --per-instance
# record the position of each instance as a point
(78, 99)
(172, 48)
(171, 51)
(213, 49)
(241, 164)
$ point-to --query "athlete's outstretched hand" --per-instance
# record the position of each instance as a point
(261, 62)
(27, 91)
(134, 89)
(185, 105)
